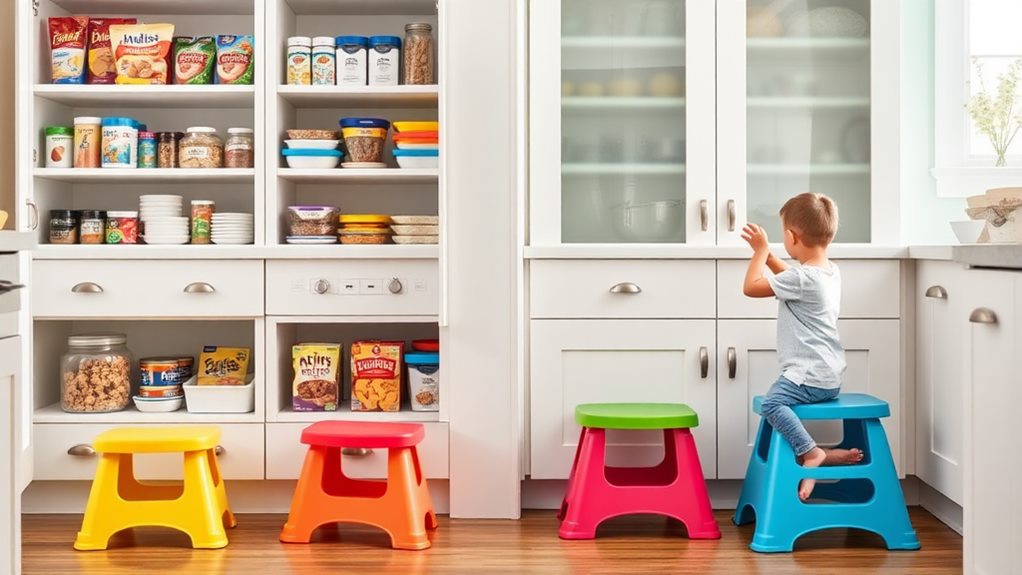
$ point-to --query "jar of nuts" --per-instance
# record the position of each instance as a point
(95, 373)
(201, 148)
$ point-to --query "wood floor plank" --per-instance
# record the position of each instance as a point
(641, 545)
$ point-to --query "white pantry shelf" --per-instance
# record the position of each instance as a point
(360, 97)
(344, 413)
(359, 176)
(216, 252)
(354, 252)
(149, 176)
(806, 102)
(145, 96)
(363, 7)
(177, 7)
(859, 45)
(808, 169)
(54, 414)
(664, 169)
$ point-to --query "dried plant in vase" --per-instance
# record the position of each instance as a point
(995, 115)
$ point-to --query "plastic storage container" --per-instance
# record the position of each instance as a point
(63, 227)
(95, 373)
(239, 150)
(220, 398)
(324, 68)
(299, 61)
(418, 54)
(424, 380)
(59, 146)
(311, 158)
(352, 60)
(201, 148)
(364, 139)
(119, 143)
(417, 158)
(312, 220)
(384, 60)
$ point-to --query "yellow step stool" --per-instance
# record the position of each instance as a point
(118, 501)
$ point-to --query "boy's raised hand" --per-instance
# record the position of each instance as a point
(756, 237)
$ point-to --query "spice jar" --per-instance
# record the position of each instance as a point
(91, 227)
(299, 61)
(59, 144)
(120, 143)
(122, 227)
(87, 141)
(384, 60)
(418, 54)
(166, 149)
(63, 227)
(323, 61)
(95, 373)
(352, 60)
(201, 148)
(146, 150)
(239, 151)
(202, 220)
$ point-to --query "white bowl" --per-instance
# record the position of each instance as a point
(411, 146)
(969, 231)
(658, 221)
(419, 162)
(158, 404)
(166, 241)
(312, 144)
(312, 162)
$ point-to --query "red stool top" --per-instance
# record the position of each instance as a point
(363, 434)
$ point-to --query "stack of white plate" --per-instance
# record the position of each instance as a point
(159, 206)
(233, 228)
(162, 222)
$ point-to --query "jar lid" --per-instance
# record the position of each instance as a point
(364, 123)
(97, 340)
(384, 41)
(170, 135)
(118, 121)
(147, 135)
(93, 214)
(201, 130)
(352, 40)
(299, 41)
(59, 214)
(60, 131)
(422, 358)
(240, 131)
(418, 27)
(203, 203)
(88, 120)
(122, 214)
(323, 41)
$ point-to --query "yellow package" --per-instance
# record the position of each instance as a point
(223, 365)
(376, 376)
(141, 52)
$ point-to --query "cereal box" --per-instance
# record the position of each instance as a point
(235, 59)
(223, 365)
(376, 376)
(317, 376)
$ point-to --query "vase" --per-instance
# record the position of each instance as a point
(1001, 161)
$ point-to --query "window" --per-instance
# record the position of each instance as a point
(994, 45)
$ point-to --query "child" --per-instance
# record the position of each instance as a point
(808, 349)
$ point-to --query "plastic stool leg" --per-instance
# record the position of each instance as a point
(749, 499)
(571, 477)
(895, 524)
(98, 525)
(696, 512)
(202, 517)
(302, 519)
(584, 512)
(405, 508)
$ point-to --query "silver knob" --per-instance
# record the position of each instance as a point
(219, 450)
(199, 287)
(81, 450)
(983, 315)
(321, 287)
(87, 287)
(626, 288)
(395, 286)
(356, 451)
(936, 292)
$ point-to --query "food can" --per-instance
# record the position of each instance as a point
(186, 365)
(59, 146)
(88, 140)
(63, 227)
(119, 143)
(91, 227)
(122, 227)
(299, 61)
(156, 391)
(202, 220)
(424, 380)
(159, 371)
(324, 70)
(147, 149)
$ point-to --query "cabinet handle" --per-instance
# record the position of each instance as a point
(33, 215)
(731, 215)
(199, 287)
(81, 450)
(704, 362)
(395, 286)
(626, 288)
(321, 287)
(356, 451)
(219, 450)
(704, 215)
(732, 362)
(87, 287)
(983, 315)
(936, 292)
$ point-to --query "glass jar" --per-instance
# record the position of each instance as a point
(201, 148)
(63, 227)
(324, 70)
(146, 150)
(202, 220)
(418, 54)
(95, 373)
(239, 151)
(92, 227)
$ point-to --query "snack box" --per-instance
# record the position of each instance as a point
(223, 365)
(376, 375)
(317, 376)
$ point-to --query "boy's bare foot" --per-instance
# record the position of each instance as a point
(842, 456)
(813, 458)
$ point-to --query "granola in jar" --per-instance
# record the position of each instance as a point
(201, 148)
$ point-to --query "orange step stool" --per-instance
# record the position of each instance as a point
(400, 505)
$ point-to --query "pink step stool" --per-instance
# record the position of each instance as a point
(674, 488)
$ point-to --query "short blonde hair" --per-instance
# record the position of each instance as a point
(813, 216)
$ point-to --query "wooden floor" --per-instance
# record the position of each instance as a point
(645, 544)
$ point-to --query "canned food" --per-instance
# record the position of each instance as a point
(121, 227)
(155, 391)
(159, 371)
(186, 366)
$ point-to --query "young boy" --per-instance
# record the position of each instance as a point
(808, 348)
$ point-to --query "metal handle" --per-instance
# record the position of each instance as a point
(6, 286)
(936, 292)
(626, 288)
(356, 451)
(81, 450)
(704, 362)
(199, 287)
(33, 215)
(731, 215)
(704, 215)
(321, 287)
(983, 315)
(219, 450)
(87, 287)
(395, 286)
(732, 362)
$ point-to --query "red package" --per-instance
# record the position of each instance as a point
(68, 39)
(101, 57)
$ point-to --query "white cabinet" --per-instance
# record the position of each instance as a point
(992, 498)
(942, 296)
(10, 448)
(582, 361)
(747, 366)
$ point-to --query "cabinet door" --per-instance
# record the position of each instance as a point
(941, 335)
(805, 91)
(747, 364)
(621, 121)
(588, 361)
(993, 471)
(10, 452)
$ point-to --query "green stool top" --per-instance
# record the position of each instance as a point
(636, 415)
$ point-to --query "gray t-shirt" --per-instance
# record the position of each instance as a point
(808, 346)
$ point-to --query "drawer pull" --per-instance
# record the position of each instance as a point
(395, 286)
(731, 215)
(87, 287)
(704, 215)
(81, 450)
(321, 287)
(626, 288)
(936, 292)
(983, 315)
(704, 362)
(732, 362)
(356, 451)
(199, 287)
(33, 215)
(219, 450)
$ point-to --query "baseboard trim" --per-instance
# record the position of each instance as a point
(940, 506)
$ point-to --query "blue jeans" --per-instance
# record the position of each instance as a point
(777, 411)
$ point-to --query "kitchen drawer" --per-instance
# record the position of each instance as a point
(242, 457)
(870, 289)
(385, 287)
(285, 454)
(586, 289)
(146, 288)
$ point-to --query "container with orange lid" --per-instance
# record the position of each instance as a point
(161, 391)
(364, 229)
(364, 219)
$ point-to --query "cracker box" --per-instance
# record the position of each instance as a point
(317, 368)
(376, 375)
(223, 365)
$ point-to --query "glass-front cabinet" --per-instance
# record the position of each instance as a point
(678, 121)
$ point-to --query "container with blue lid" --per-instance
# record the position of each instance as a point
(311, 158)
(118, 121)
(416, 153)
(384, 60)
(422, 358)
(424, 380)
(310, 152)
(385, 42)
(365, 123)
(351, 41)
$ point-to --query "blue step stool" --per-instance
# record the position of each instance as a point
(865, 496)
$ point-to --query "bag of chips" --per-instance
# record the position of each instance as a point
(101, 57)
(141, 52)
(194, 60)
(68, 40)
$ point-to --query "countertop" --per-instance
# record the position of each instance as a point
(11, 241)
(1002, 256)
(695, 252)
